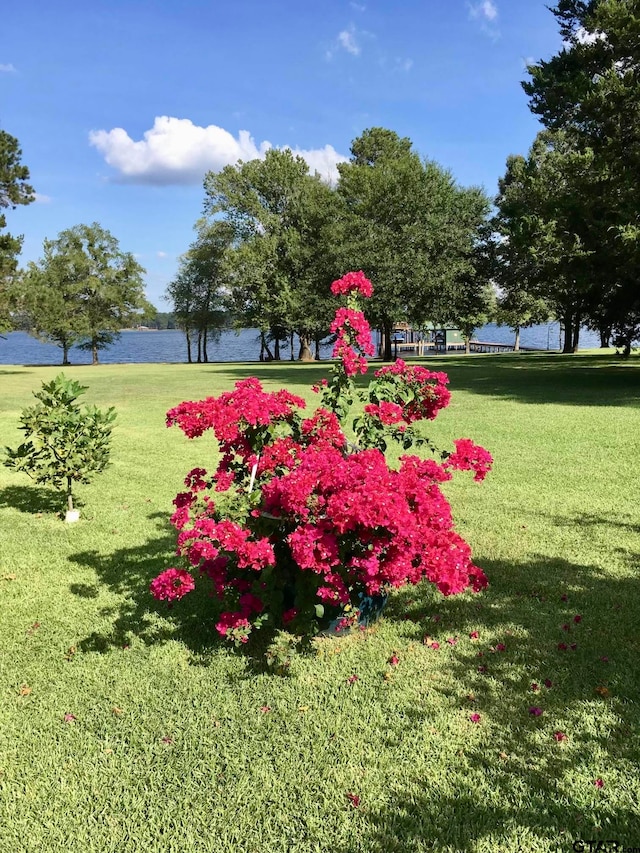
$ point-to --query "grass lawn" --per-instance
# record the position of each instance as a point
(125, 726)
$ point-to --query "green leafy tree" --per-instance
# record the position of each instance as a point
(64, 443)
(84, 290)
(548, 230)
(14, 190)
(199, 291)
(410, 227)
(590, 90)
(284, 225)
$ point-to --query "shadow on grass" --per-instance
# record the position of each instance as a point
(32, 499)
(593, 695)
(128, 573)
(586, 380)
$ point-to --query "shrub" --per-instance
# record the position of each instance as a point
(64, 443)
(297, 525)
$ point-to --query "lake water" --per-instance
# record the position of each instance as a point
(170, 346)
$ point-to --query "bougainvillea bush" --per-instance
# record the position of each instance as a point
(297, 524)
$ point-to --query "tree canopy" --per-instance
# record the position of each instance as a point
(590, 91)
(14, 190)
(83, 291)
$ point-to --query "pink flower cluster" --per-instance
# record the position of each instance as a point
(291, 522)
(470, 457)
(353, 282)
(351, 327)
(428, 389)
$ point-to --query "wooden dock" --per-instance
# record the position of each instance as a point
(421, 348)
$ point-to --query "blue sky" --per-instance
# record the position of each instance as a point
(120, 108)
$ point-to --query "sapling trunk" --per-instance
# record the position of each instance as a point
(69, 495)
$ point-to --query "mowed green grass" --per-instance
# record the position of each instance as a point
(178, 743)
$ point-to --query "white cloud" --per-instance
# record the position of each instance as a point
(176, 151)
(359, 7)
(41, 198)
(485, 10)
(162, 254)
(582, 36)
(8, 68)
(404, 64)
(347, 40)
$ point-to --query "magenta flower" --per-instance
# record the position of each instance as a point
(577, 619)
(171, 584)
(500, 647)
(475, 718)
(598, 783)
(452, 640)
(394, 660)
(474, 635)
(562, 647)
(435, 645)
(559, 736)
(535, 711)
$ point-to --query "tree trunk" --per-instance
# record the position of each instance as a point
(94, 351)
(576, 333)
(467, 344)
(626, 352)
(189, 358)
(65, 354)
(516, 343)
(386, 342)
(199, 346)
(276, 348)
(305, 353)
(205, 354)
(265, 352)
(317, 343)
(291, 355)
(568, 334)
(69, 494)
(605, 337)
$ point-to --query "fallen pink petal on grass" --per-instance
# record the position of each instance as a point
(562, 647)
(452, 640)
(474, 635)
(352, 679)
(535, 687)
(265, 709)
(547, 682)
(354, 799)
(167, 739)
(559, 736)
(69, 718)
(475, 718)
(535, 711)
(394, 660)
(598, 783)
(577, 619)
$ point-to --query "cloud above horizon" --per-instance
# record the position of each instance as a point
(177, 151)
(8, 68)
(486, 12)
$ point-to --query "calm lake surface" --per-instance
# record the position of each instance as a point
(170, 346)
